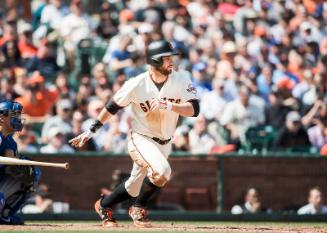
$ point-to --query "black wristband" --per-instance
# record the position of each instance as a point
(95, 126)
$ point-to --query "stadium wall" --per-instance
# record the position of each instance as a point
(283, 181)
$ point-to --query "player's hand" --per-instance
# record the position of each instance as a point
(81, 139)
(160, 104)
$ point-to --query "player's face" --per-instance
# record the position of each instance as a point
(167, 65)
(5, 123)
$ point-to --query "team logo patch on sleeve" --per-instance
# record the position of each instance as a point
(191, 89)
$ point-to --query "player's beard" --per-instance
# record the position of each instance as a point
(163, 71)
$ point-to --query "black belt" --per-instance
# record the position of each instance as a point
(161, 142)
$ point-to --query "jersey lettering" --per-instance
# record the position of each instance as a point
(143, 107)
(146, 106)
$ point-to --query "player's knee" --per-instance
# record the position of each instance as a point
(162, 177)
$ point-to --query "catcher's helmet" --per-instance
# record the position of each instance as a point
(157, 50)
(15, 110)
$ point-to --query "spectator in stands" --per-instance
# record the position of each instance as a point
(199, 79)
(276, 112)
(99, 71)
(37, 99)
(44, 61)
(103, 90)
(75, 27)
(116, 140)
(292, 135)
(241, 114)
(63, 87)
(11, 56)
(9, 32)
(318, 133)
(57, 142)
(136, 68)
(265, 82)
(41, 202)
(27, 140)
(108, 20)
(26, 46)
(317, 111)
(121, 56)
(225, 66)
(21, 79)
(53, 14)
(7, 91)
(62, 120)
(252, 203)
(85, 89)
(214, 102)
(201, 142)
(315, 203)
(181, 139)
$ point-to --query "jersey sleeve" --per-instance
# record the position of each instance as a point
(124, 96)
(188, 91)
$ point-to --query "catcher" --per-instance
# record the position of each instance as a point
(16, 182)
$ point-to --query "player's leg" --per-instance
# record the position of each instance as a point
(148, 187)
(13, 196)
(153, 156)
(125, 191)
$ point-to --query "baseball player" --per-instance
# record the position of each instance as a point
(157, 98)
(16, 182)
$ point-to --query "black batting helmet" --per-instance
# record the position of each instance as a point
(157, 50)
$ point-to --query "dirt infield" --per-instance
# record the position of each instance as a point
(171, 227)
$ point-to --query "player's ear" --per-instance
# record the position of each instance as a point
(157, 62)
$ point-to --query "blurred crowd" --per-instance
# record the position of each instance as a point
(253, 203)
(259, 66)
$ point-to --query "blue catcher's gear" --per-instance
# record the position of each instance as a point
(2, 201)
(11, 220)
(13, 109)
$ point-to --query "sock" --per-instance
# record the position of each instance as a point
(146, 192)
(118, 195)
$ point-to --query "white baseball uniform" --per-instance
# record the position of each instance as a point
(150, 157)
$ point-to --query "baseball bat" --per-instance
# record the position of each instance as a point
(14, 161)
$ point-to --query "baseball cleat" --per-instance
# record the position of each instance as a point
(105, 215)
(139, 216)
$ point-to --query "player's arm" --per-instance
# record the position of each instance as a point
(106, 113)
(189, 109)
(123, 97)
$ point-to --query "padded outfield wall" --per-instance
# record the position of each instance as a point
(283, 181)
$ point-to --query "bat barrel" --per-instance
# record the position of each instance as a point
(14, 161)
